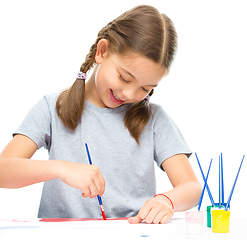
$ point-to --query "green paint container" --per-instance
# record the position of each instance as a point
(209, 216)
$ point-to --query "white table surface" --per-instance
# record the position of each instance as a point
(118, 229)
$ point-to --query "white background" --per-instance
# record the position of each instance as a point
(43, 44)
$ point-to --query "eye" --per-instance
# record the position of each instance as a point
(122, 79)
(146, 90)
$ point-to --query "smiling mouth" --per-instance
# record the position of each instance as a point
(115, 95)
(115, 99)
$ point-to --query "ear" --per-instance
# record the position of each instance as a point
(166, 72)
(102, 50)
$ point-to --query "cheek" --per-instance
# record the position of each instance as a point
(140, 95)
(107, 79)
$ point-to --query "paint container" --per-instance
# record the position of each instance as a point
(194, 222)
(220, 221)
(209, 214)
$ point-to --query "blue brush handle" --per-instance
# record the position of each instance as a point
(88, 154)
(90, 161)
(99, 199)
(234, 184)
(209, 193)
(200, 202)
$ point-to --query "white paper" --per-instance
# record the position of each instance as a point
(100, 229)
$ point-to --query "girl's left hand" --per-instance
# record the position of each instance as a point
(155, 210)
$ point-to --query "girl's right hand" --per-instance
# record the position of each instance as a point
(84, 177)
(17, 170)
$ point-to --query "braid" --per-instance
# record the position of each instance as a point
(70, 103)
(90, 58)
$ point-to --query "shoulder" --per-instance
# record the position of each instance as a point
(158, 111)
(48, 99)
(45, 106)
(161, 119)
(155, 107)
(51, 99)
(48, 102)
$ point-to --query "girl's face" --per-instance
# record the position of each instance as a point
(123, 79)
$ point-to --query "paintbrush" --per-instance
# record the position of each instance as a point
(200, 202)
(99, 198)
(234, 184)
(209, 192)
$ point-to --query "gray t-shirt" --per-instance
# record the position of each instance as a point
(127, 168)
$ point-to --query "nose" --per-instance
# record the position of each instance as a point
(129, 93)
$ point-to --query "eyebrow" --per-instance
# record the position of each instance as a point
(135, 78)
(128, 72)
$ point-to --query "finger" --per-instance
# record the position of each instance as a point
(155, 214)
(101, 184)
(135, 220)
(96, 187)
(142, 214)
(158, 218)
(98, 180)
(167, 217)
(86, 192)
(93, 190)
(151, 216)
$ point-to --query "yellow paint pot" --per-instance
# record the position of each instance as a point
(220, 221)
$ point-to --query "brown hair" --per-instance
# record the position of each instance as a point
(142, 30)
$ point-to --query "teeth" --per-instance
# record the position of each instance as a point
(116, 96)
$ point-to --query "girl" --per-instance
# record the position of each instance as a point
(124, 132)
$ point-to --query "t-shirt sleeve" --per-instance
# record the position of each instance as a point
(168, 140)
(37, 124)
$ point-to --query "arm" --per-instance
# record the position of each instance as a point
(17, 170)
(187, 189)
(184, 195)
